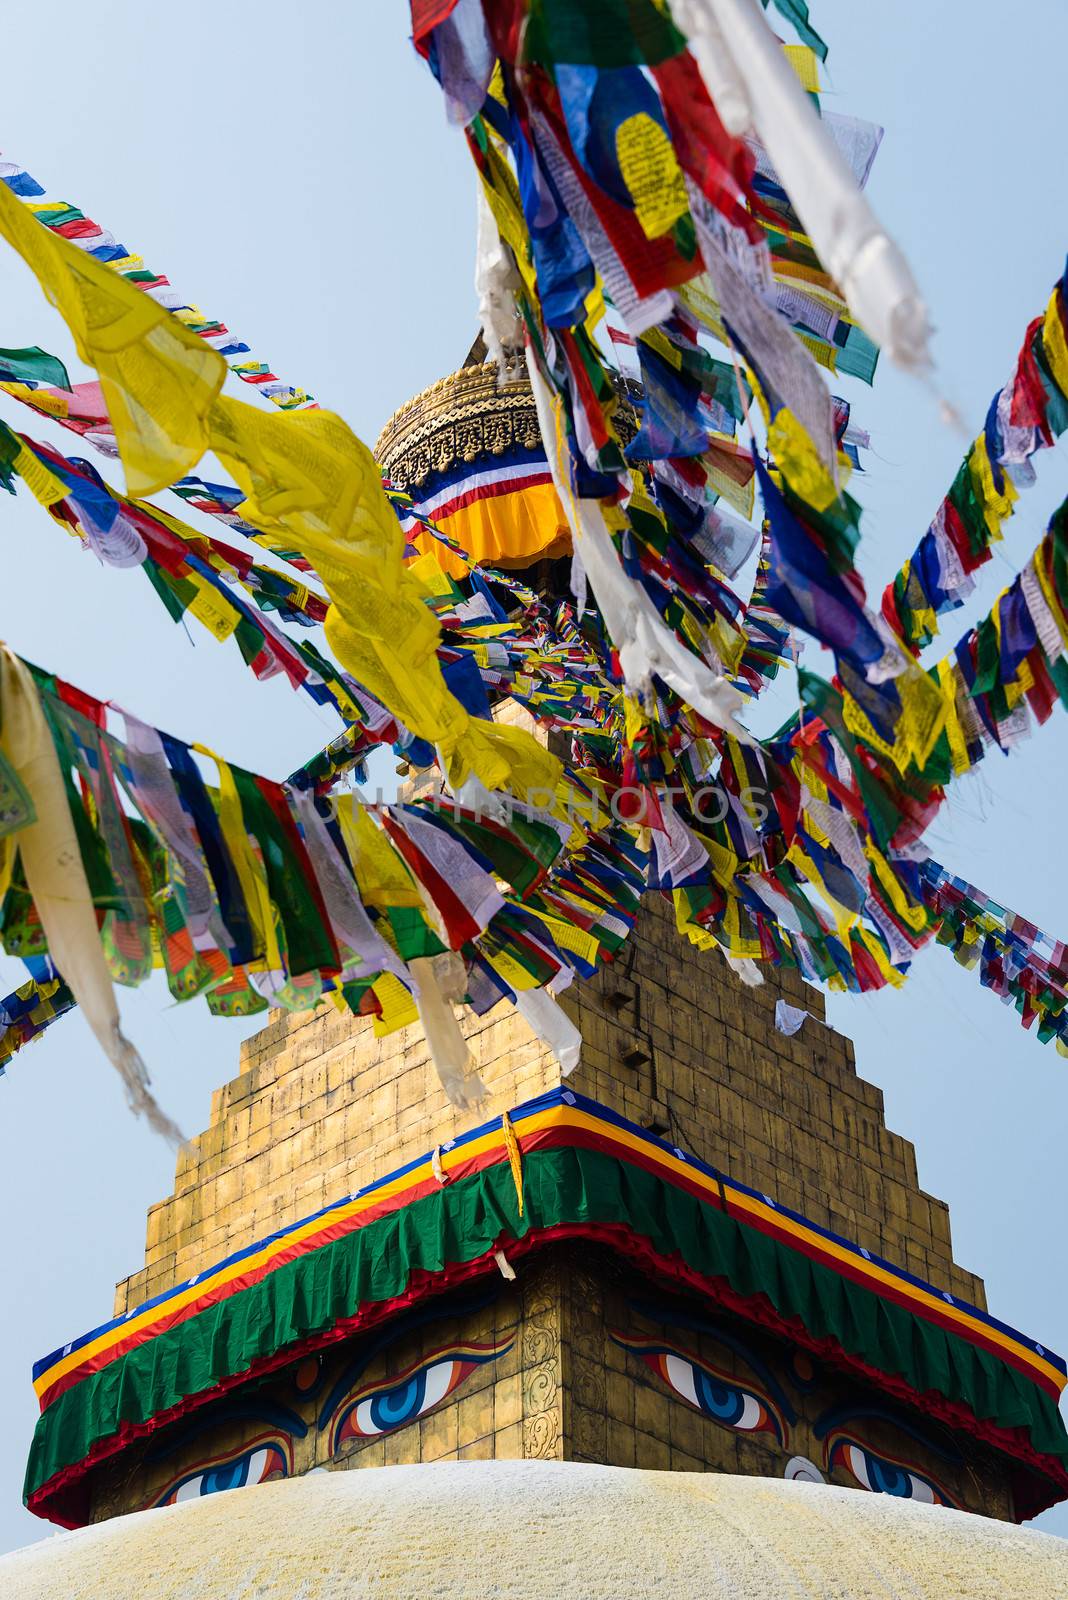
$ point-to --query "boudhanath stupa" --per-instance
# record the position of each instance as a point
(547, 1241)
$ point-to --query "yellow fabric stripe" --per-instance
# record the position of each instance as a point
(515, 1159)
(881, 1275)
(563, 1117)
(219, 1279)
(1053, 342)
(42, 484)
(958, 747)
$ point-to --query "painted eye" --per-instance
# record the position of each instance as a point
(713, 1393)
(388, 1406)
(724, 1401)
(392, 1408)
(884, 1476)
(260, 1465)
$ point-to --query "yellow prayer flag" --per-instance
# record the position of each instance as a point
(805, 63)
(51, 405)
(651, 173)
(799, 462)
(42, 484)
(218, 614)
(398, 1007)
(159, 381)
(515, 1159)
(382, 876)
(958, 745)
(1053, 341)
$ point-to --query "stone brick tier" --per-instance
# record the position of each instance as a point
(672, 1040)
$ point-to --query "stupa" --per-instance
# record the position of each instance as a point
(703, 1251)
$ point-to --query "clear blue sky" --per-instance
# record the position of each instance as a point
(290, 170)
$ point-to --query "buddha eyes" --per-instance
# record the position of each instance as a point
(883, 1476)
(402, 1402)
(385, 1407)
(257, 1465)
(713, 1393)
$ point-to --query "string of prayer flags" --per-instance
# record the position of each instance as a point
(1012, 666)
(583, 123)
(862, 816)
(82, 410)
(1023, 966)
(190, 572)
(239, 886)
(69, 222)
(1028, 414)
(162, 389)
(28, 1011)
(667, 167)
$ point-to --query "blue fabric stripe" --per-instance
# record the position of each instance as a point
(531, 1108)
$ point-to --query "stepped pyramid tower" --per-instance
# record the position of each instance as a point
(704, 1251)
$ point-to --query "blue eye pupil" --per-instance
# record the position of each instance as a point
(395, 1406)
(887, 1479)
(718, 1399)
(232, 1475)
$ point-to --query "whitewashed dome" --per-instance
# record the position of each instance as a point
(533, 1530)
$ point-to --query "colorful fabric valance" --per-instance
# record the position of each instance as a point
(585, 1173)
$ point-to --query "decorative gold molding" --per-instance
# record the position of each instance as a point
(470, 414)
(542, 1396)
(460, 418)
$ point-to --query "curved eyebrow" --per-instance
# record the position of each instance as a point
(274, 1415)
(839, 1416)
(680, 1319)
(442, 1311)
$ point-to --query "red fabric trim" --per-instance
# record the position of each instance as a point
(245, 1280)
(489, 491)
(548, 1137)
(902, 1298)
(64, 1499)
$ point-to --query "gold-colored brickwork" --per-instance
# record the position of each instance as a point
(618, 1412)
(671, 1040)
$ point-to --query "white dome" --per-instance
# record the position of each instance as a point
(533, 1530)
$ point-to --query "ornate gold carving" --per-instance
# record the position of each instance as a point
(460, 418)
(542, 1400)
(465, 416)
(586, 1390)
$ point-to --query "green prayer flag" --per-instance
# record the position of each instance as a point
(600, 33)
(10, 445)
(796, 11)
(33, 365)
(16, 807)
